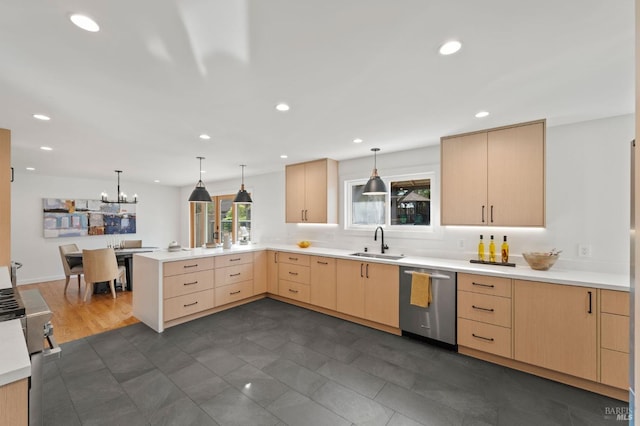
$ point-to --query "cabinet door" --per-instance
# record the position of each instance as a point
(295, 188)
(381, 293)
(555, 327)
(323, 282)
(516, 176)
(315, 188)
(350, 287)
(463, 195)
(5, 197)
(272, 272)
(259, 272)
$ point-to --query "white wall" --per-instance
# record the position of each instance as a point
(157, 220)
(587, 195)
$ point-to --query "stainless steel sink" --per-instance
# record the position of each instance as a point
(377, 256)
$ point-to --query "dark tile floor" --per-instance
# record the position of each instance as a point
(270, 363)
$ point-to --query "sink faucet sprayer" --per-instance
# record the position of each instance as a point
(383, 246)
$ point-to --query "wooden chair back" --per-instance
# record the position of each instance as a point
(99, 265)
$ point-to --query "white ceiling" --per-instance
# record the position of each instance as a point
(136, 95)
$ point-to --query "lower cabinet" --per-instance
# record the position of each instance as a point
(14, 403)
(614, 338)
(187, 287)
(259, 272)
(272, 272)
(368, 290)
(556, 327)
(294, 276)
(233, 278)
(323, 282)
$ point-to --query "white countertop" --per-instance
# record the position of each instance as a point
(555, 275)
(14, 357)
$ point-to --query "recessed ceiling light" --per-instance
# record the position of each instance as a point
(46, 148)
(284, 156)
(42, 117)
(205, 137)
(30, 168)
(450, 47)
(84, 22)
(482, 114)
(357, 140)
(156, 181)
(282, 107)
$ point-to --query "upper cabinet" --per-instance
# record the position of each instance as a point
(312, 192)
(5, 197)
(494, 177)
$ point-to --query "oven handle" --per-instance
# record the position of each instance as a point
(53, 349)
(433, 276)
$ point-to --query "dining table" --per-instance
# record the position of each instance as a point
(122, 254)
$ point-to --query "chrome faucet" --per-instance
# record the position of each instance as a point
(383, 246)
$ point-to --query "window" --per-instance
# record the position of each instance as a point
(406, 205)
(210, 221)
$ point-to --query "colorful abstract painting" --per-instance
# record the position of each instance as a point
(77, 218)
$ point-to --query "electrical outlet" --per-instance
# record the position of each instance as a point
(461, 244)
(584, 250)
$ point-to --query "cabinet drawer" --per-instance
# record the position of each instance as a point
(187, 266)
(180, 306)
(294, 258)
(614, 302)
(614, 332)
(294, 290)
(233, 292)
(484, 308)
(485, 284)
(614, 370)
(177, 285)
(484, 337)
(234, 274)
(296, 273)
(233, 259)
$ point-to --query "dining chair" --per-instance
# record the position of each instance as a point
(100, 265)
(132, 244)
(71, 266)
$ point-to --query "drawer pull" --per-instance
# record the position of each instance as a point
(488, 339)
(323, 263)
(293, 258)
(293, 291)
(234, 292)
(235, 260)
(191, 304)
(234, 275)
(483, 285)
(195, 282)
(424, 326)
(293, 273)
(190, 266)
(482, 309)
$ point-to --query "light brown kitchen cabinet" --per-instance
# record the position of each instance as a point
(368, 290)
(14, 403)
(187, 287)
(323, 282)
(5, 197)
(272, 272)
(555, 327)
(260, 272)
(233, 278)
(494, 177)
(312, 192)
(294, 276)
(614, 338)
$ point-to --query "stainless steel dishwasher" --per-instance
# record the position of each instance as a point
(437, 322)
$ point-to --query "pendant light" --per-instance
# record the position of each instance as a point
(200, 194)
(242, 196)
(375, 185)
(122, 197)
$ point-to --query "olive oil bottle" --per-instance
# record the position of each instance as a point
(492, 250)
(481, 250)
(505, 250)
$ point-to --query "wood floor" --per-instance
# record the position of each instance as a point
(74, 319)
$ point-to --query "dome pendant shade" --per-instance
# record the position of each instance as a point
(242, 196)
(200, 193)
(375, 185)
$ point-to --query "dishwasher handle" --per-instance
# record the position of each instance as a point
(433, 276)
